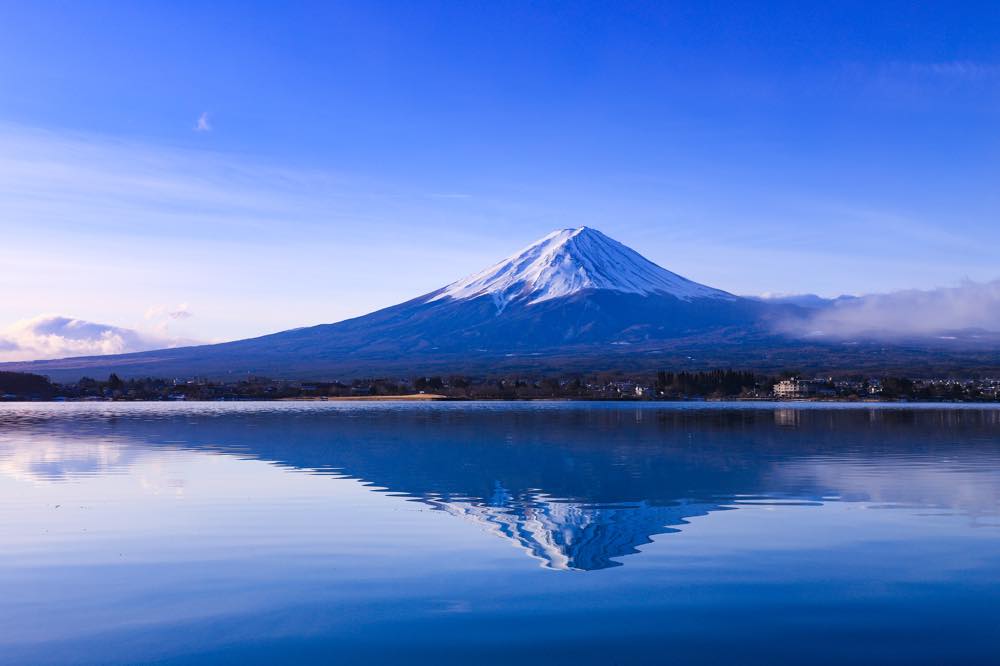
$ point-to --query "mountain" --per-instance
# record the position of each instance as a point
(570, 261)
(574, 300)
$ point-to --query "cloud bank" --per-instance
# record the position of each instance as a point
(52, 336)
(971, 306)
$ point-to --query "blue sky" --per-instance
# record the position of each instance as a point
(270, 165)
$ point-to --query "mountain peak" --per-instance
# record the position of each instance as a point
(568, 261)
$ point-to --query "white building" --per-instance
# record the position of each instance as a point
(800, 388)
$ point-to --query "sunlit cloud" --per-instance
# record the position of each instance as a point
(913, 312)
(53, 336)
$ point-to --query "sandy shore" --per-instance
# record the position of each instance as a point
(376, 398)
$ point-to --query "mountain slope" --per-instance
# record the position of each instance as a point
(574, 291)
(575, 300)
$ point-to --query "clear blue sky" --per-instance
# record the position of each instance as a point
(269, 165)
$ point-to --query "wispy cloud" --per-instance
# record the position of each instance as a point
(203, 124)
(74, 181)
(180, 311)
(913, 312)
(54, 336)
(148, 222)
(953, 69)
(449, 195)
(945, 82)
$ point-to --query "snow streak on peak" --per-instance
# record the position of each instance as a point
(572, 260)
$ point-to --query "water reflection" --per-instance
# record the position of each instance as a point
(48, 458)
(575, 487)
(574, 536)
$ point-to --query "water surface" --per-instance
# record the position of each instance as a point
(499, 533)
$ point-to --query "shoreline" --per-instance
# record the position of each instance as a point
(411, 397)
(434, 397)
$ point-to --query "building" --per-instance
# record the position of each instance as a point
(796, 388)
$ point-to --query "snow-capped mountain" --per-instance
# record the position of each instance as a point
(575, 300)
(569, 261)
(574, 292)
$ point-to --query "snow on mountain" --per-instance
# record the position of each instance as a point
(574, 301)
(572, 260)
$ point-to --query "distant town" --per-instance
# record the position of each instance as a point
(664, 385)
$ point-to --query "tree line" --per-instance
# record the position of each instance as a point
(662, 385)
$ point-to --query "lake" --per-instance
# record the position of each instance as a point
(527, 533)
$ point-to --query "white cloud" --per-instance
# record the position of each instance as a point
(53, 336)
(180, 311)
(913, 312)
(203, 125)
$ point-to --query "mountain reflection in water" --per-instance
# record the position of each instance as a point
(577, 488)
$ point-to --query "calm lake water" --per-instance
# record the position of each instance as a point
(499, 533)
